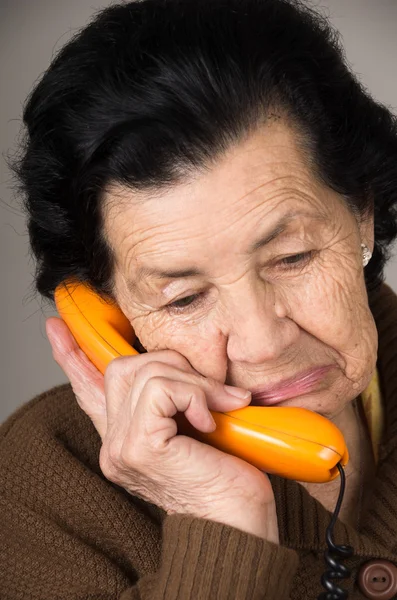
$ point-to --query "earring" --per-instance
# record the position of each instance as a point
(366, 254)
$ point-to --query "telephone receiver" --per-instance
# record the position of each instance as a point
(294, 443)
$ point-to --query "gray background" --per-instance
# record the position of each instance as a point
(30, 32)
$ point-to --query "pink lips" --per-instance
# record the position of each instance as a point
(290, 388)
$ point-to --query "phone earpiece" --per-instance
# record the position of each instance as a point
(99, 327)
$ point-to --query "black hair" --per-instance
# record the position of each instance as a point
(154, 90)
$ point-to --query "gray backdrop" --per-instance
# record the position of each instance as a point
(30, 32)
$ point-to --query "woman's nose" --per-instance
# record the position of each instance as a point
(259, 331)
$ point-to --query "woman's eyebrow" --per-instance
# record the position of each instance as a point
(281, 226)
(146, 272)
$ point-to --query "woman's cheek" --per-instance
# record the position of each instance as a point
(205, 349)
(360, 351)
(201, 343)
(333, 308)
(152, 330)
(161, 330)
(354, 331)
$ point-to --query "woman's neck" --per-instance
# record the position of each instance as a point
(359, 470)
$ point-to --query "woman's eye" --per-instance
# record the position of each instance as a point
(184, 302)
(288, 262)
(296, 260)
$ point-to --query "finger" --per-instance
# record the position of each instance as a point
(123, 388)
(87, 382)
(159, 402)
(120, 375)
(218, 396)
(125, 367)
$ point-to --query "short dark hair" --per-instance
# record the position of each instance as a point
(152, 90)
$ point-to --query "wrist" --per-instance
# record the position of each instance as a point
(257, 519)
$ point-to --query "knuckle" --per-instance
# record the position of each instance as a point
(110, 373)
(155, 384)
(107, 464)
(131, 455)
(118, 462)
(151, 369)
(114, 366)
(213, 386)
(198, 395)
(202, 397)
(195, 395)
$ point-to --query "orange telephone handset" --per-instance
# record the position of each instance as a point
(294, 443)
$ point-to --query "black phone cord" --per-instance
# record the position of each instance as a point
(334, 554)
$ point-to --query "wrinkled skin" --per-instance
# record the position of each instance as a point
(248, 319)
(244, 314)
(255, 321)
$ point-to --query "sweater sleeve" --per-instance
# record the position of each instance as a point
(204, 560)
(67, 533)
(199, 559)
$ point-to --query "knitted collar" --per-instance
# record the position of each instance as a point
(305, 528)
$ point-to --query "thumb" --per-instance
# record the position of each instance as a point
(87, 382)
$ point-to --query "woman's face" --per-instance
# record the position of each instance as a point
(252, 271)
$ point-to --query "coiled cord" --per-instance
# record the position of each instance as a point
(335, 553)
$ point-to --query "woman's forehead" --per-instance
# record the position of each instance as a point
(260, 178)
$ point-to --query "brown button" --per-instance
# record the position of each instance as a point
(377, 580)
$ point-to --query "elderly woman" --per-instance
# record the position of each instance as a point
(214, 168)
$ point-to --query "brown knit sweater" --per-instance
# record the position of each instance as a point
(67, 533)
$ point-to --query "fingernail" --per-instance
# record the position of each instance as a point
(237, 392)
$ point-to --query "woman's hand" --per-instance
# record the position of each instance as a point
(132, 409)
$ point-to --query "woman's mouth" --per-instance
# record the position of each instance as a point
(289, 388)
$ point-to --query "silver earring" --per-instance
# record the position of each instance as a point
(366, 254)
